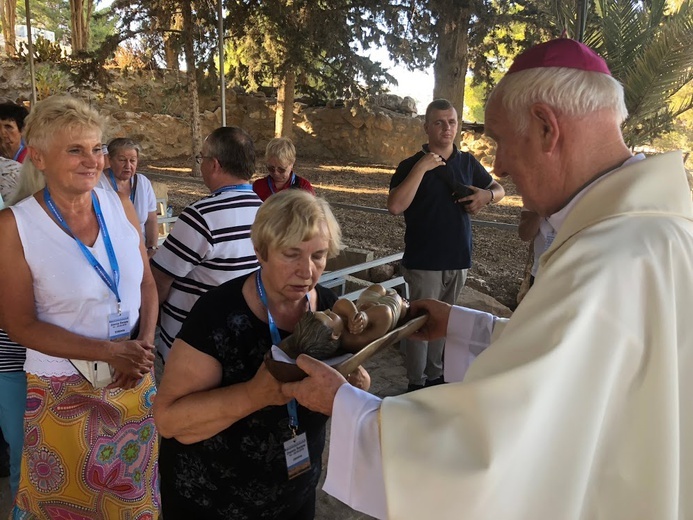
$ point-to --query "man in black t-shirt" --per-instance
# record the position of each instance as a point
(437, 189)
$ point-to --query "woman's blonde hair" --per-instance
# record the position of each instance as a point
(290, 217)
(282, 148)
(47, 118)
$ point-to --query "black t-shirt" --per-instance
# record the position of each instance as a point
(438, 234)
(239, 473)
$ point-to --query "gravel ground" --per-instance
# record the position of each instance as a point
(499, 255)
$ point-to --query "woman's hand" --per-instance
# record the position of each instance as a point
(264, 390)
(121, 381)
(131, 359)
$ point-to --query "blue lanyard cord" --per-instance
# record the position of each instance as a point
(276, 339)
(291, 182)
(293, 416)
(233, 187)
(113, 181)
(133, 187)
(112, 283)
(21, 149)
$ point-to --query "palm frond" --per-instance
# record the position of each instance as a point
(649, 49)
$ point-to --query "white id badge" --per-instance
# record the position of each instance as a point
(297, 456)
(119, 325)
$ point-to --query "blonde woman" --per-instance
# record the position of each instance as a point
(75, 284)
(227, 428)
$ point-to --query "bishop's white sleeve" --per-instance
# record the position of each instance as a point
(469, 333)
(354, 467)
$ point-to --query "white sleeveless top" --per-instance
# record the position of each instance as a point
(67, 290)
(145, 199)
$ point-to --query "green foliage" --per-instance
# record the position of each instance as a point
(647, 45)
(51, 80)
(50, 15)
(474, 102)
(101, 26)
(318, 41)
(44, 50)
(649, 48)
(172, 95)
(54, 16)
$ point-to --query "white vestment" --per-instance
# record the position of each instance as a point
(579, 409)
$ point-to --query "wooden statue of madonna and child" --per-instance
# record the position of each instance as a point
(334, 336)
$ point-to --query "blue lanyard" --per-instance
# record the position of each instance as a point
(233, 187)
(112, 283)
(276, 339)
(291, 182)
(133, 188)
(21, 149)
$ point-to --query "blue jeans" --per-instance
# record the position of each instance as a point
(12, 406)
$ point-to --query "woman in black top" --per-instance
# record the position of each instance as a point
(228, 430)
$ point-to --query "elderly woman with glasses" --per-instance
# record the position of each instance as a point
(122, 176)
(280, 156)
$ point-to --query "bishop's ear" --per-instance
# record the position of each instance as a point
(545, 120)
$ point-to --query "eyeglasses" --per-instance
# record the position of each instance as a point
(199, 157)
(278, 169)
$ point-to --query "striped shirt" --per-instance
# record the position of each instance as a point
(208, 245)
(12, 355)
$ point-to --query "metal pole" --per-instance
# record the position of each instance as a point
(32, 72)
(582, 19)
(222, 79)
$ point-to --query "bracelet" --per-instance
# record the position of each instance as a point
(492, 196)
(152, 248)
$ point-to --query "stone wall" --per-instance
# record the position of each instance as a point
(351, 133)
(151, 106)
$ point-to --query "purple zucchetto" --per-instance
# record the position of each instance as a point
(562, 52)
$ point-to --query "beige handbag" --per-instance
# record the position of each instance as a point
(98, 373)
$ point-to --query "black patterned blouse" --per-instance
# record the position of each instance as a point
(240, 473)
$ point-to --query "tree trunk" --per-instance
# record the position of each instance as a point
(284, 119)
(192, 84)
(8, 17)
(450, 66)
(170, 52)
(80, 15)
(175, 24)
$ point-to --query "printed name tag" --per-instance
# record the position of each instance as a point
(297, 456)
(119, 325)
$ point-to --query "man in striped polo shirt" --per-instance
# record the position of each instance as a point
(210, 242)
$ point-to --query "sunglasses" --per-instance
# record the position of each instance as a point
(277, 169)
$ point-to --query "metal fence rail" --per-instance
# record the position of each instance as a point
(383, 211)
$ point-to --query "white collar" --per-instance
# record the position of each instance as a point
(556, 220)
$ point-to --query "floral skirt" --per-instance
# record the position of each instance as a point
(88, 453)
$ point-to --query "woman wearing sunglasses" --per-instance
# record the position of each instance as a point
(280, 156)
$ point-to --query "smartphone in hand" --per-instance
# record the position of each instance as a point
(460, 190)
